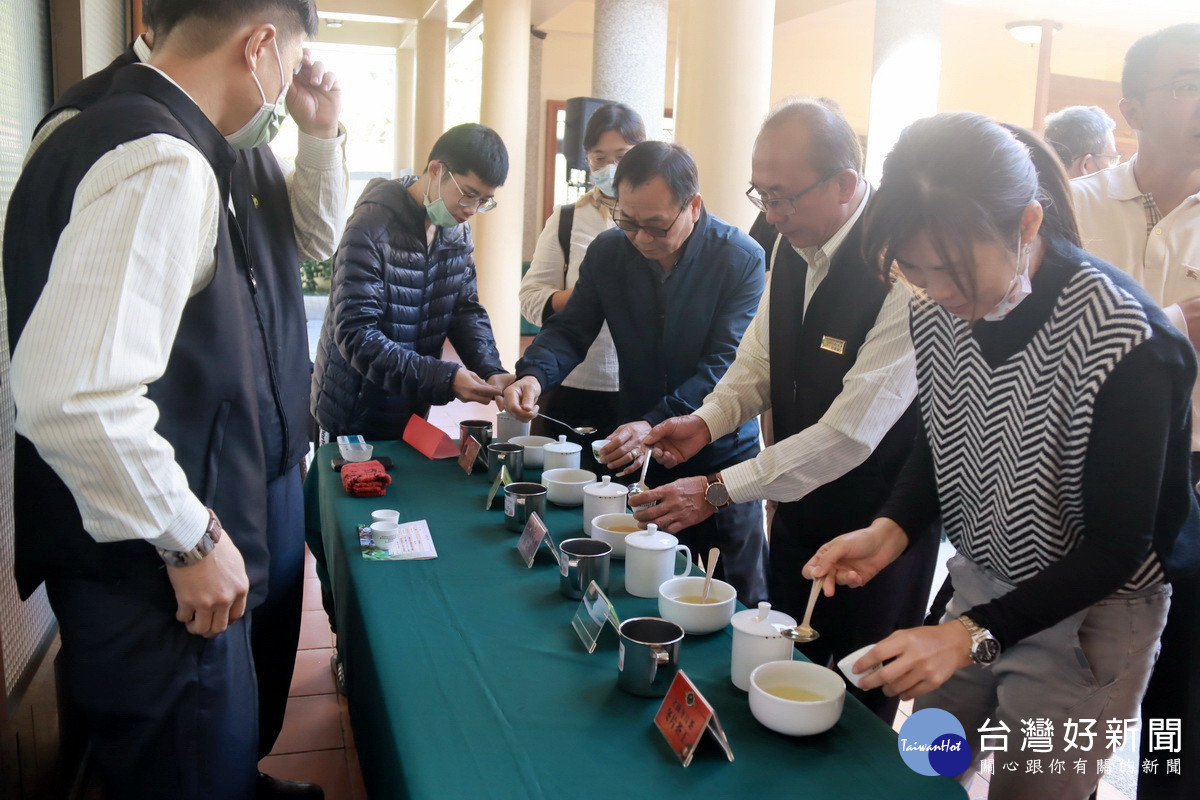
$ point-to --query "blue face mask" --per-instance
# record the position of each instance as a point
(263, 126)
(602, 179)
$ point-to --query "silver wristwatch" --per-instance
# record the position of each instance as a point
(208, 540)
(985, 648)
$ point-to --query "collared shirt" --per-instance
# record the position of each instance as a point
(317, 185)
(1112, 216)
(598, 371)
(675, 332)
(140, 242)
(876, 391)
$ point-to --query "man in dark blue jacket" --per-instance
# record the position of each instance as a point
(677, 287)
(404, 282)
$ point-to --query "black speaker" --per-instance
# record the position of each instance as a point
(579, 111)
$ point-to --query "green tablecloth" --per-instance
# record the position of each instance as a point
(467, 681)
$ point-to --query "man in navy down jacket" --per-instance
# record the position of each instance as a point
(403, 281)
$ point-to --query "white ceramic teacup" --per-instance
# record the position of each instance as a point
(796, 717)
(534, 455)
(564, 487)
(696, 618)
(385, 515)
(613, 528)
(846, 665)
(384, 534)
(650, 560)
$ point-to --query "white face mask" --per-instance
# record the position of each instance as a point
(1019, 287)
(263, 126)
(602, 179)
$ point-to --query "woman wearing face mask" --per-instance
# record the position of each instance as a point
(588, 396)
(1055, 400)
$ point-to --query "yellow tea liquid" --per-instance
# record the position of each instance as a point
(795, 693)
(698, 599)
(624, 529)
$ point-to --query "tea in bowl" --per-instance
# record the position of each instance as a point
(564, 487)
(796, 698)
(681, 601)
(612, 529)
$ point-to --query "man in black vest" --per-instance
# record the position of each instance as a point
(829, 353)
(283, 219)
(141, 358)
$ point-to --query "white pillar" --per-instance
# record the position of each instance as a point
(905, 73)
(405, 111)
(430, 118)
(721, 102)
(505, 109)
(534, 147)
(629, 56)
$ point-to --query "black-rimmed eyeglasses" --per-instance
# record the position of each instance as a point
(781, 205)
(631, 227)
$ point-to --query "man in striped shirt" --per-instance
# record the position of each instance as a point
(142, 357)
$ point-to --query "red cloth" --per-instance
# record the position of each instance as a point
(365, 479)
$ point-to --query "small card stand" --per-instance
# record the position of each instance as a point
(535, 534)
(468, 453)
(685, 716)
(502, 479)
(594, 611)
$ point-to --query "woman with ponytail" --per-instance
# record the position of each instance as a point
(1055, 399)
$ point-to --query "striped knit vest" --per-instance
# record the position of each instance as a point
(1009, 442)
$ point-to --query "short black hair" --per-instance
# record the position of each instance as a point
(1139, 59)
(295, 16)
(614, 117)
(1078, 131)
(472, 147)
(832, 143)
(649, 160)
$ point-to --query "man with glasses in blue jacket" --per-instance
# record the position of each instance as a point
(677, 287)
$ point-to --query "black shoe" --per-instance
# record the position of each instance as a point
(339, 672)
(269, 787)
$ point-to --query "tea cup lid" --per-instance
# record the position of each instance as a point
(762, 621)
(651, 539)
(562, 446)
(606, 488)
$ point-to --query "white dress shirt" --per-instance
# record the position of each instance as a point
(1165, 259)
(598, 370)
(317, 185)
(139, 243)
(876, 391)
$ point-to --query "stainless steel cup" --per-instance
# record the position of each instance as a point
(649, 655)
(580, 562)
(504, 454)
(481, 429)
(521, 500)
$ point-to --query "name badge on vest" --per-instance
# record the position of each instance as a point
(833, 345)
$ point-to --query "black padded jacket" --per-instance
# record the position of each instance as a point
(392, 304)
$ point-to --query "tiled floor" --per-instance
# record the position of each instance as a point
(316, 744)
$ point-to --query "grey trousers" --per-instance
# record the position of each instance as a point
(1094, 665)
